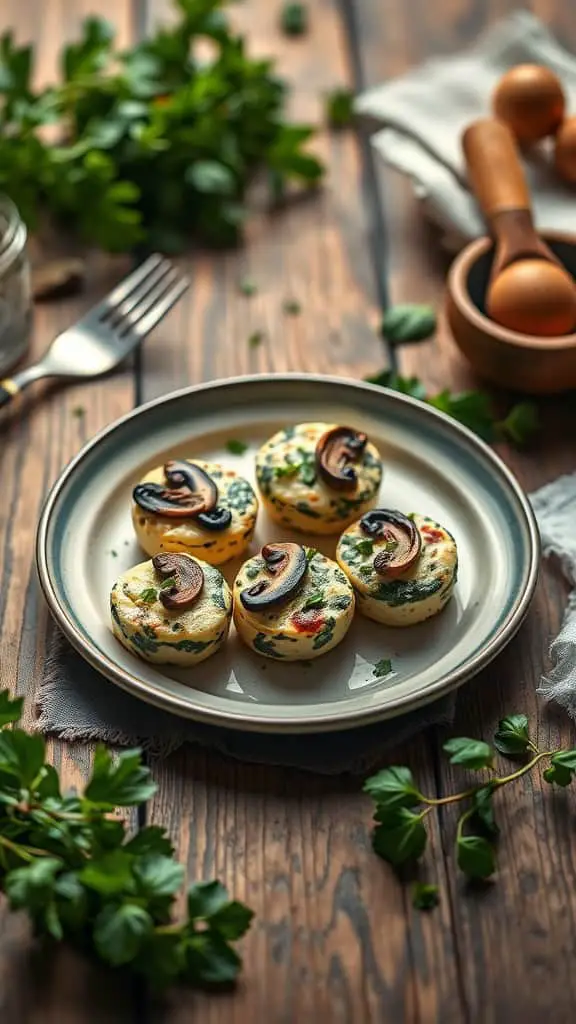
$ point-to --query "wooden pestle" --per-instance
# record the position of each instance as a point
(529, 291)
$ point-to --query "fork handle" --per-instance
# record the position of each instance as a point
(12, 386)
(8, 390)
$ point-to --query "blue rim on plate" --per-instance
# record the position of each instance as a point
(476, 481)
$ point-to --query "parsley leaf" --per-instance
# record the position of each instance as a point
(67, 861)
(149, 595)
(255, 339)
(382, 668)
(236, 447)
(473, 409)
(365, 547)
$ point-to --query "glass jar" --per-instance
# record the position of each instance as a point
(15, 288)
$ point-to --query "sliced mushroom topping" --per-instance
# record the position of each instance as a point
(336, 450)
(188, 580)
(402, 539)
(286, 564)
(189, 493)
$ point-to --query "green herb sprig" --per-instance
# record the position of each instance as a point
(401, 808)
(471, 408)
(150, 145)
(68, 861)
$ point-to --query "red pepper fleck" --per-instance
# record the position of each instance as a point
(308, 622)
(431, 534)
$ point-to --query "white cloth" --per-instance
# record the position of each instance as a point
(555, 509)
(426, 110)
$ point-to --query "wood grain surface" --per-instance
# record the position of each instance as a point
(335, 937)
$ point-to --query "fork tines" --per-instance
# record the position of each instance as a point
(139, 302)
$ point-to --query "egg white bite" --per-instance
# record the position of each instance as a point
(318, 477)
(174, 635)
(304, 619)
(372, 553)
(169, 516)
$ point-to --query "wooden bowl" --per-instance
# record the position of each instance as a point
(520, 362)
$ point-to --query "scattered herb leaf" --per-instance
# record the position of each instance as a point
(236, 447)
(340, 108)
(291, 307)
(256, 339)
(316, 600)
(294, 19)
(149, 595)
(408, 323)
(425, 896)
(382, 668)
(247, 287)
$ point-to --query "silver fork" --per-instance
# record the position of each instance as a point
(110, 330)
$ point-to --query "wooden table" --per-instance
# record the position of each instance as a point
(335, 937)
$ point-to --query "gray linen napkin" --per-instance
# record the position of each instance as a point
(76, 703)
(425, 111)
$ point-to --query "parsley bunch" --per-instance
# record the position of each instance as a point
(68, 862)
(151, 146)
(401, 808)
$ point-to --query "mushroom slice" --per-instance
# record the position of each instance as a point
(401, 536)
(189, 493)
(188, 580)
(285, 564)
(336, 450)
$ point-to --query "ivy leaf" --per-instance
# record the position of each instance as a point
(232, 921)
(562, 765)
(475, 856)
(10, 710)
(122, 782)
(474, 754)
(511, 737)
(425, 896)
(392, 788)
(120, 932)
(408, 323)
(402, 837)
(484, 810)
(558, 774)
(209, 176)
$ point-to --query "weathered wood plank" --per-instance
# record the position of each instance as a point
(334, 936)
(37, 439)
(532, 900)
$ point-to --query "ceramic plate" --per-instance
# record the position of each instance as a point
(431, 464)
